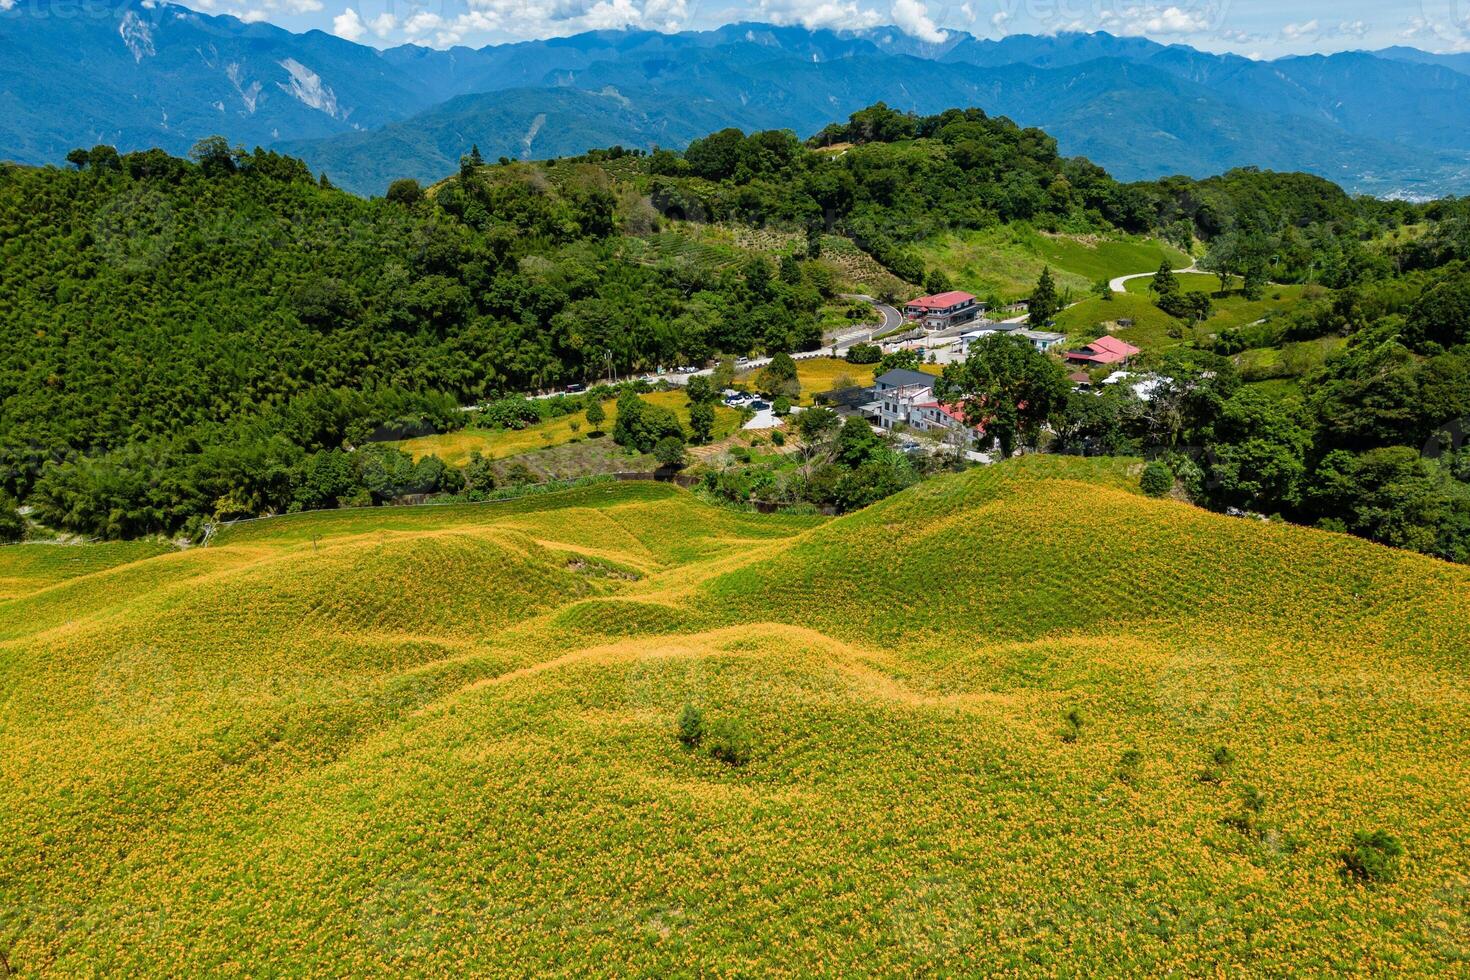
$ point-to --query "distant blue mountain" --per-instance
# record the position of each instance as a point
(148, 73)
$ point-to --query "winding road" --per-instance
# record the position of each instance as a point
(1118, 285)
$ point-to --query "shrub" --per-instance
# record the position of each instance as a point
(1128, 766)
(728, 740)
(1073, 726)
(519, 474)
(781, 407)
(691, 726)
(864, 354)
(1220, 761)
(511, 413)
(1372, 856)
(778, 439)
(1248, 821)
(1157, 479)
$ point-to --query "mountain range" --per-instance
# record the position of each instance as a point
(144, 73)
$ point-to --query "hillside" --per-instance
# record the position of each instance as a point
(443, 740)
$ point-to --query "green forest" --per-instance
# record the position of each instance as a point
(221, 336)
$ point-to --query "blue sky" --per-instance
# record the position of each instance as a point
(1257, 28)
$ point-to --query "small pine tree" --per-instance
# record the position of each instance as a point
(1044, 303)
(691, 726)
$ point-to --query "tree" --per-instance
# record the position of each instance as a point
(1007, 387)
(479, 473)
(629, 415)
(700, 390)
(405, 191)
(669, 451)
(702, 421)
(864, 354)
(817, 425)
(1441, 315)
(781, 407)
(899, 360)
(1259, 453)
(12, 525)
(857, 443)
(779, 377)
(596, 414)
(1044, 303)
(213, 156)
(937, 282)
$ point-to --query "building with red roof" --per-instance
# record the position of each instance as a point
(1104, 350)
(934, 416)
(943, 310)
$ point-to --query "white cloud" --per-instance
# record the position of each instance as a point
(1293, 32)
(612, 14)
(665, 15)
(383, 24)
(6, 4)
(349, 25)
(912, 17)
(422, 23)
(1440, 35)
(255, 16)
(813, 14)
(1170, 20)
(1352, 28)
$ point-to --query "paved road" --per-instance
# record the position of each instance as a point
(892, 320)
(1118, 285)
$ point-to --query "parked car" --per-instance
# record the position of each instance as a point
(576, 389)
(760, 406)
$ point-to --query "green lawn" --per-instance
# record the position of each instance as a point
(1008, 260)
(1154, 330)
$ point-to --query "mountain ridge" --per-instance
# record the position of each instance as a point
(1389, 122)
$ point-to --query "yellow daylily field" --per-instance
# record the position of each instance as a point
(442, 741)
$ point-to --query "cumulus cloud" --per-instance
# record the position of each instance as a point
(1170, 20)
(1293, 32)
(813, 14)
(912, 17)
(1441, 34)
(349, 25)
(421, 23)
(612, 14)
(6, 4)
(254, 16)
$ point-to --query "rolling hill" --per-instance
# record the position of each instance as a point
(1016, 720)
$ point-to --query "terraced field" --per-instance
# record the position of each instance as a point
(984, 722)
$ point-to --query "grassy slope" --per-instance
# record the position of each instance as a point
(1151, 326)
(439, 740)
(1008, 259)
(455, 447)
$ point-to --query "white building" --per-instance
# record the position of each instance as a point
(897, 393)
